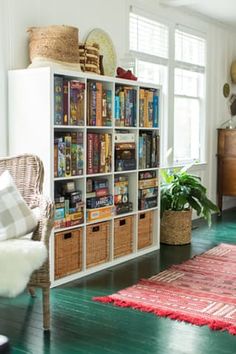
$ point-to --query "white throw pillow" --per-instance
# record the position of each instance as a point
(16, 218)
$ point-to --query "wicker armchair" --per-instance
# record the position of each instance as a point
(28, 173)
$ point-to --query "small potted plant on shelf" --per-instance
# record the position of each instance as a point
(180, 193)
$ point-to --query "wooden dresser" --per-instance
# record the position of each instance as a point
(226, 164)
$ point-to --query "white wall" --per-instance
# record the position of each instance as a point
(3, 82)
(112, 16)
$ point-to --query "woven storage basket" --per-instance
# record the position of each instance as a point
(176, 227)
(123, 236)
(55, 43)
(97, 244)
(68, 252)
(145, 229)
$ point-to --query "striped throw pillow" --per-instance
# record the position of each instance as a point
(16, 218)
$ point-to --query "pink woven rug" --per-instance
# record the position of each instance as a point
(201, 291)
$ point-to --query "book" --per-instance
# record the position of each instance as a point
(90, 153)
(107, 120)
(124, 137)
(65, 102)
(58, 100)
(141, 107)
(148, 183)
(102, 165)
(98, 103)
(98, 202)
(61, 158)
(155, 110)
(99, 213)
(76, 109)
(92, 105)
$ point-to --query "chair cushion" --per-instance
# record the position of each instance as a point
(16, 218)
(18, 259)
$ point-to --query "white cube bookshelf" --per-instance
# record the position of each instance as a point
(32, 130)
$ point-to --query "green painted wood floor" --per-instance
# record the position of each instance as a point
(80, 325)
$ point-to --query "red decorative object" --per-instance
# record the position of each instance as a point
(200, 291)
(125, 74)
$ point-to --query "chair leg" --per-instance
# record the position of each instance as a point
(31, 290)
(46, 308)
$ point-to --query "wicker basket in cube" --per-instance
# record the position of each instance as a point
(145, 229)
(97, 244)
(68, 252)
(123, 236)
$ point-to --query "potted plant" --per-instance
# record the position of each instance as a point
(180, 193)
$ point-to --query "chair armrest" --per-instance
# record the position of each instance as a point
(46, 220)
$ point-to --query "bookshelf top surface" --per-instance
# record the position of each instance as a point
(86, 76)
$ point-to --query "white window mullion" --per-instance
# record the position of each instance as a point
(149, 57)
(169, 124)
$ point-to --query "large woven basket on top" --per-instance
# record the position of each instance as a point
(176, 227)
(57, 44)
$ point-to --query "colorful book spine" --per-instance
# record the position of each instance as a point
(108, 152)
(155, 110)
(80, 153)
(141, 160)
(117, 109)
(68, 155)
(76, 109)
(122, 109)
(102, 165)
(65, 102)
(58, 100)
(55, 158)
(141, 107)
(93, 98)
(61, 158)
(90, 153)
(98, 103)
(73, 153)
(108, 108)
(96, 153)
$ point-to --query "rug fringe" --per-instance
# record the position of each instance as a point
(214, 325)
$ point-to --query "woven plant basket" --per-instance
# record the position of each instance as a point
(176, 227)
(58, 44)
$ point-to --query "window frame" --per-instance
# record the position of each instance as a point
(167, 121)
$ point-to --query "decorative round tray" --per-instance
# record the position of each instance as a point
(106, 48)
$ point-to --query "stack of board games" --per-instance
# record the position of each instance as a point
(125, 152)
(149, 149)
(99, 100)
(99, 201)
(148, 190)
(69, 207)
(68, 154)
(68, 101)
(125, 106)
(99, 152)
(121, 195)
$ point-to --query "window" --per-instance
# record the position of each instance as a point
(188, 96)
(148, 42)
(185, 71)
(148, 36)
(153, 73)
